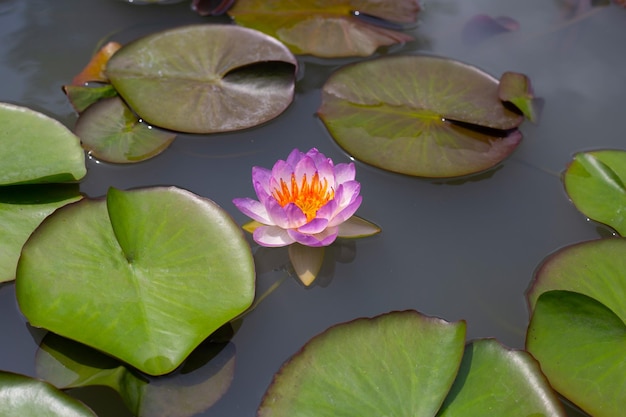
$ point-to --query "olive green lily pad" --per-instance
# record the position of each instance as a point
(327, 28)
(397, 364)
(203, 380)
(577, 331)
(581, 344)
(22, 209)
(516, 89)
(159, 268)
(496, 381)
(27, 397)
(423, 116)
(407, 364)
(111, 132)
(595, 183)
(35, 148)
(205, 78)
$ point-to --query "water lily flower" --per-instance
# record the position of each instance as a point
(306, 199)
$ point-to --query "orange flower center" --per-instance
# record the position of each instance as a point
(309, 196)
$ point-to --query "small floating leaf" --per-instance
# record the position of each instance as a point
(205, 78)
(398, 364)
(22, 209)
(423, 116)
(516, 89)
(581, 345)
(482, 27)
(82, 97)
(327, 29)
(595, 183)
(35, 148)
(111, 132)
(27, 397)
(211, 7)
(94, 71)
(159, 268)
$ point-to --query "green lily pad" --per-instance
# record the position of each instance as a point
(596, 269)
(159, 268)
(27, 397)
(399, 364)
(203, 380)
(35, 148)
(111, 132)
(82, 97)
(578, 300)
(424, 116)
(327, 28)
(22, 209)
(496, 381)
(595, 183)
(581, 345)
(205, 78)
(516, 89)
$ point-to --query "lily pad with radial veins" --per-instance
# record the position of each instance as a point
(205, 78)
(419, 115)
(145, 275)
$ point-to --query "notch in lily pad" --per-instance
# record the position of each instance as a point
(424, 116)
(159, 268)
(407, 364)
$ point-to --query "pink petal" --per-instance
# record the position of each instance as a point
(319, 158)
(294, 157)
(253, 209)
(261, 182)
(346, 213)
(325, 238)
(287, 217)
(327, 211)
(344, 172)
(305, 166)
(347, 193)
(314, 226)
(281, 171)
(272, 236)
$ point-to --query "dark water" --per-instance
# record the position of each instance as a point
(453, 249)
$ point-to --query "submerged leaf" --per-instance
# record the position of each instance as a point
(111, 132)
(306, 261)
(482, 27)
(327, 28)
(595, 183)
(35, 148)
(205, 78)
(423, 116)
(159, 268)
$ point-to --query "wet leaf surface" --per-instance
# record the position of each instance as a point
(425, 116)
(205, 78)
(27, 397)
(82, 97)
(22, 209)
(35, 148)
(327, 28)
(111, 132)
(516, 89)
(595, 183)
(158, 268)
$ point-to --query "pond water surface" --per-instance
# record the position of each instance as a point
(456, 249)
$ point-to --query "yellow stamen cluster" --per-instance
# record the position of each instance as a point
(309, 196)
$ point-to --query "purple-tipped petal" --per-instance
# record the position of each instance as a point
(314, 226)
(281, 171)
(272, 236)
(253, 209)
(346, 213)
(325, 238)
(305, 166)
(286, 217)
(344, 172)
(261, 182)
(294, 157)
(347, 193)
(328, 210)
